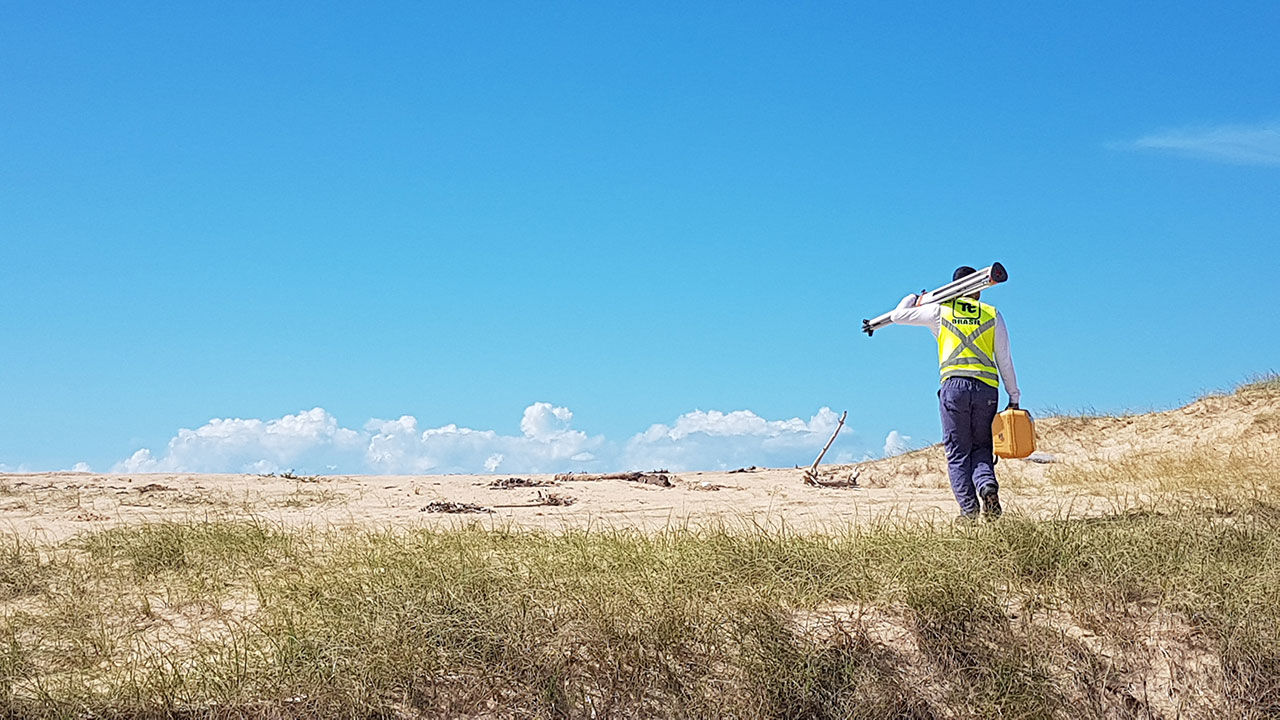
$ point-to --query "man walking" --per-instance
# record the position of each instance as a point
(972, 345)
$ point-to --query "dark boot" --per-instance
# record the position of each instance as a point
(991, 503)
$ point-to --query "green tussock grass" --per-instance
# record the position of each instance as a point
(249, 620)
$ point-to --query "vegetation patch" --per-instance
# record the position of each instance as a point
(1020, 618)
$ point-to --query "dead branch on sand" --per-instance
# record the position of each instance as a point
(454, 507)
(518, 482)
(811, 475)
(824, 478)
(545, 499)
(660, 478)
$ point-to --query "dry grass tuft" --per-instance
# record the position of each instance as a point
(1267, 383)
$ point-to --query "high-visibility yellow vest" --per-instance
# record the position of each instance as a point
(967, 341)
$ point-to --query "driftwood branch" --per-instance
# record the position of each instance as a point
(658, 477)
(811, 475)
(544, 499)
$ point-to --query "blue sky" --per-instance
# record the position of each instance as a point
(562, 224)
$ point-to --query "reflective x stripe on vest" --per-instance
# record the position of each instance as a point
(967, 341)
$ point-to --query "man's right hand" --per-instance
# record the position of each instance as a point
(1013, 406)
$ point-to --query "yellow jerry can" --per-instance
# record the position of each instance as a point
(1013, 434)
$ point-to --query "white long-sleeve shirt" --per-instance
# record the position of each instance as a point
(930, 316)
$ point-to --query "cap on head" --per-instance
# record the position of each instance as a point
(965, 271)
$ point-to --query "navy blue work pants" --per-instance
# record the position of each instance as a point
(968, 406)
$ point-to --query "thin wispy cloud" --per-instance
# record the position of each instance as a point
(1236, 144)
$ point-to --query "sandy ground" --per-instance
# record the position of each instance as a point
(51, 507)
(54, 506)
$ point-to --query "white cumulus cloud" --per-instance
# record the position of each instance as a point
(547, 443)
(312, 437)
(314, 441)
(895, 443)
(545, 422)
(713, 440)
(1235, 144)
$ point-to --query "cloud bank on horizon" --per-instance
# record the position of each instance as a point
(314, 441)
(1236, 144)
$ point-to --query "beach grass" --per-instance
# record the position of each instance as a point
(1167, 605)
(1019, 618)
